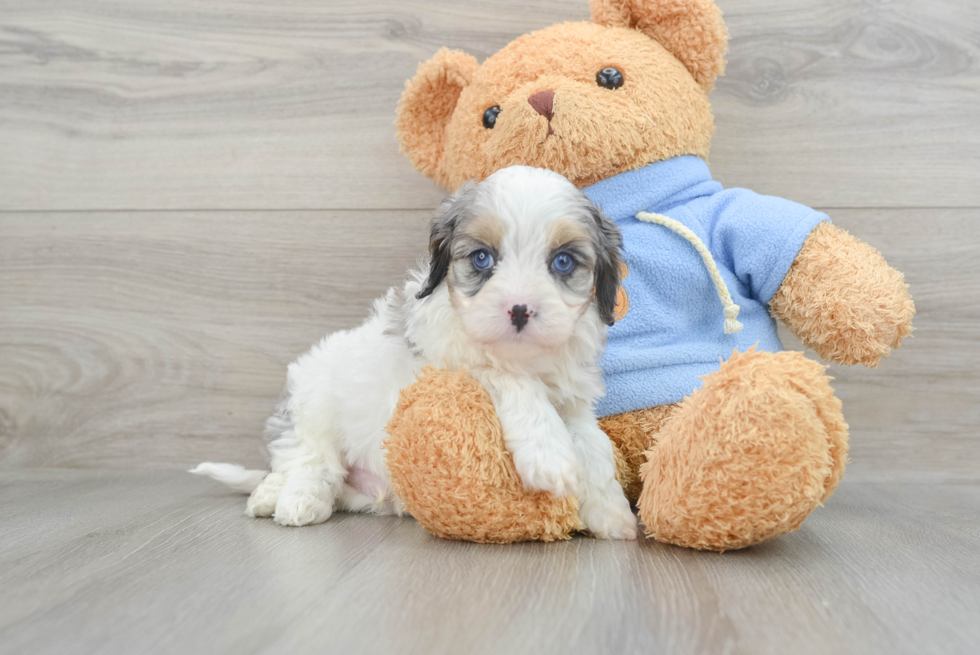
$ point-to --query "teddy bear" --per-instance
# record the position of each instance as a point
(723, 439)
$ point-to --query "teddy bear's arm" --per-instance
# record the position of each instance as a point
(843, 300)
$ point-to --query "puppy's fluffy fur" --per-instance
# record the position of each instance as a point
(521, 282)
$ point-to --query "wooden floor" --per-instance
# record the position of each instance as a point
(191, 193)
(160, 562)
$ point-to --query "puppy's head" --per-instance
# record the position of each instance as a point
(525, 256)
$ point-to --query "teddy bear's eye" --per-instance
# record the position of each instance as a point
(490, 117)
(609, 78)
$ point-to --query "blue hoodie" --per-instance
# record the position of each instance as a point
(673, 330)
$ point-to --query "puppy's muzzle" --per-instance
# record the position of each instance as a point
(519, 316)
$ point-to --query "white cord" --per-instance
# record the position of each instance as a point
(732, 326)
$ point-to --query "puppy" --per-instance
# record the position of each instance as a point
(520, 285)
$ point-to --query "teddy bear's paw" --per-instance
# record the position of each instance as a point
(454, 471)
(303, 502)
(608, 515)
(843, 300)
(748, 456)
(551, 467)
(262, 502)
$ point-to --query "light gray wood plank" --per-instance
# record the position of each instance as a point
(917, 416)
(130, 104)
(140, 337)
(851, 104)
(161, 563)
(161, 339)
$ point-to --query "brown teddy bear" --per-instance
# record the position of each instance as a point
(724, 439)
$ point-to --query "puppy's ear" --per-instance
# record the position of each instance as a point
(444, 223)
(691, 30)
(606, 242)
(427, 104)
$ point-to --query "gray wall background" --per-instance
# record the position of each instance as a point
(192, 193)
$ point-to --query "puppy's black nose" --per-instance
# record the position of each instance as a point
(519, 316)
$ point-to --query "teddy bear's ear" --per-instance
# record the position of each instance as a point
(427, 104)
(691, 30)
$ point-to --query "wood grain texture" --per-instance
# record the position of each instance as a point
(130, 104)
(848, 103)
(917, 416)
(161, 339)
(137, 336)
(165, 563)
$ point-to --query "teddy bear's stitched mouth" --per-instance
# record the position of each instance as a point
(551, 133)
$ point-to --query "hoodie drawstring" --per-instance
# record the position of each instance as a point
(732, 326)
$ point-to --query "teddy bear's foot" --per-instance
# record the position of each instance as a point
(449, 465)
(632, 435)
(748, 456)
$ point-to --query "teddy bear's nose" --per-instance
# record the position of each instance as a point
(543, 102)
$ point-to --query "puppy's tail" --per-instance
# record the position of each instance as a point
(237, 477)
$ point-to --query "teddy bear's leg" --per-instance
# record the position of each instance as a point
(449, 466)
(748, 456)
(632, 435)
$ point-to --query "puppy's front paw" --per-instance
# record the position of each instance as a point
(262, 502)
(553, 469)
(303, 503)
(608, 515)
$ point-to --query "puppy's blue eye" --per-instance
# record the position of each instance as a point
(562, 263)
(482, 259)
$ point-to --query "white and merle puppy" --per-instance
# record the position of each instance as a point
(519, 289)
